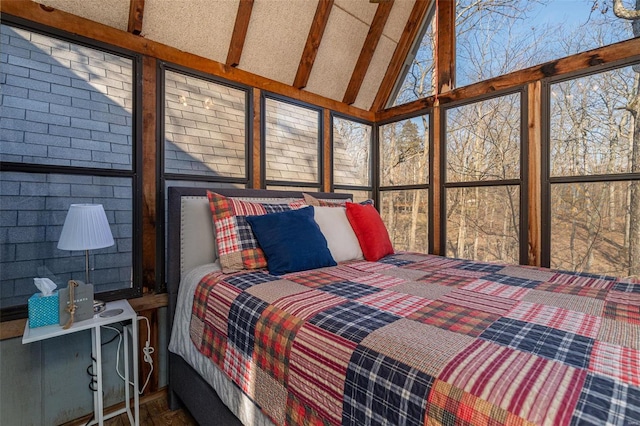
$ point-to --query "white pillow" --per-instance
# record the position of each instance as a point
(342, 241)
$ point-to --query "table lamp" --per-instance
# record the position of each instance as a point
(85, 228)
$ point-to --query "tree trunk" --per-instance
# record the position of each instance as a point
(462, 226)
(634, 196)
(415, 207)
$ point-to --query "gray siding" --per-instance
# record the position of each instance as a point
(63, 104)
(66, 105)
(205, 127)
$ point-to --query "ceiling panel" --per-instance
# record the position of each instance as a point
(398, 19)
(201, 27)
(375, 73)
(114, 13)
(360, 9)
(337, 55)
(276, 37)
(275, 40)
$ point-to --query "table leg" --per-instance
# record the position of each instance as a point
(127, 386)
(136, 385)
(98, 373)
(94, 370)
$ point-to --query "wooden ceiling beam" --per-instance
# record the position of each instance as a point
(446, 56)
(410, 32)
(34, 12)
(368, 49)
(239, 32)
(136, 13)
(313, 43)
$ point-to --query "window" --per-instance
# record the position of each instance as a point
(292, 144)
(206, 134)
(594, 169)
(416, 79)
(404, 182)
(68, 136)
(483, 184)
(352, 157)
(205, 128)
(495, 38)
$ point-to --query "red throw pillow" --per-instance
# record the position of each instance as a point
(370, 230)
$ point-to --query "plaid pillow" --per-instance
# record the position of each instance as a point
(238, 247)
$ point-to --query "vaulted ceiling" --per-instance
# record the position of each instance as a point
(349, 51)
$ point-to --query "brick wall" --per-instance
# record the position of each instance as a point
(66, 105)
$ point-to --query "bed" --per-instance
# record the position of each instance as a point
(409, 339)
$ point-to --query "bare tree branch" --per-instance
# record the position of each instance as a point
(623, 13)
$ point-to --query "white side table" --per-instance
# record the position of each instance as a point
(95, 324)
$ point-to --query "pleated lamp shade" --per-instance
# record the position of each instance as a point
(85, 228)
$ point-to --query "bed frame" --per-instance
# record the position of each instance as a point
(188, 246)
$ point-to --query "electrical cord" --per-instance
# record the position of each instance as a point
(93, 382)
(90, 372)
(147, 351)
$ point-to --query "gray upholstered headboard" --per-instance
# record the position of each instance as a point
(190, 240)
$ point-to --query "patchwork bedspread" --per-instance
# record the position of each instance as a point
(420, 339)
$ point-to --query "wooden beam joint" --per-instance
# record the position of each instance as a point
(239, 32)
(136, 14)
(368, 49)
(313, 43)
(410, 32)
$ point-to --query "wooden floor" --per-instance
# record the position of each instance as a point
(154, 411)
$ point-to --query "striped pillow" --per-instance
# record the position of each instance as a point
(317, 202)
(237, 245)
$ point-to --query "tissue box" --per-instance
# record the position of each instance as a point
(43, 310)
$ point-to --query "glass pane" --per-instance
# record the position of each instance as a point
(205, 127)
(483, 140)
(406, 216)
(592, 124)
(64, 104)
(496, 37)
(595, 227)
(483, 223)
(292, 142)
(32, 212)
(351, 153)
(404, 152)
(419, 80)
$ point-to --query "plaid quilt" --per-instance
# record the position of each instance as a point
(419, 340)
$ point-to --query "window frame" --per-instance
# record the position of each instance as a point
(372, 155)
(133, 173)
(162, 177)
(429, 18)
(420, 186)
(522, 182)
(547, 179)
(264, 182)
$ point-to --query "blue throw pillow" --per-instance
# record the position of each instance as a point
(291, 241)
